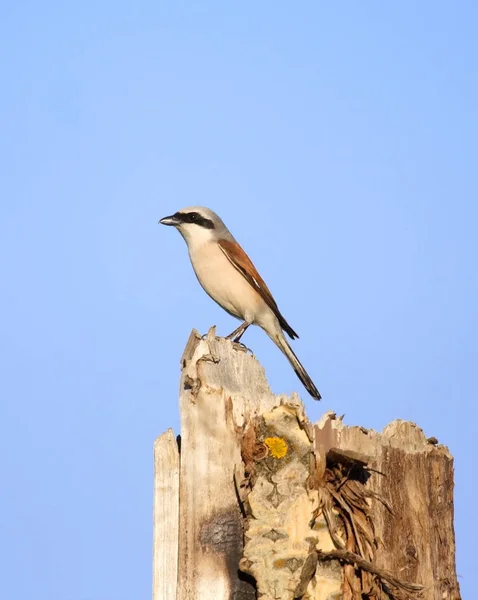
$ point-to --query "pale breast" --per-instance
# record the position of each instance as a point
(223, 282)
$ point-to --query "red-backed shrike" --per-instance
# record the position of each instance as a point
(228, 276)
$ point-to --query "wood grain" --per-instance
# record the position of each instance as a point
(222, 389)
(166, 517)
(262, 505)
(415, 477)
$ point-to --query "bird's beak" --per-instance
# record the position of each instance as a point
(172, 221)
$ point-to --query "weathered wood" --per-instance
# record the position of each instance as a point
(281, 504)
(166, 517)
(275, 508)
(411, 501)
(222, 389)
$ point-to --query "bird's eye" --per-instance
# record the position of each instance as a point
(193, 217)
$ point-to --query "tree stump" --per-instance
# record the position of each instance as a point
(260, 503)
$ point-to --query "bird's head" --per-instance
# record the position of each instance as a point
(197, 225)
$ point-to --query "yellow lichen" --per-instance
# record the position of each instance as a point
(280, 563)
(277, 446)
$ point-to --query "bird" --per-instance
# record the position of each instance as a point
(229, 277)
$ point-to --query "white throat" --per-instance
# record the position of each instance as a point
(196, 236)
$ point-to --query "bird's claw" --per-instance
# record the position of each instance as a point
(241, 346)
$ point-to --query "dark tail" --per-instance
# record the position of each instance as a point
(301, 373)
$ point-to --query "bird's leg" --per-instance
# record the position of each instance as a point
(236, 335)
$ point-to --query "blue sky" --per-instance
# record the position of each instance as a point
(337, 141)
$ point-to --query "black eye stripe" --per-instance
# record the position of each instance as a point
(196, 218)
